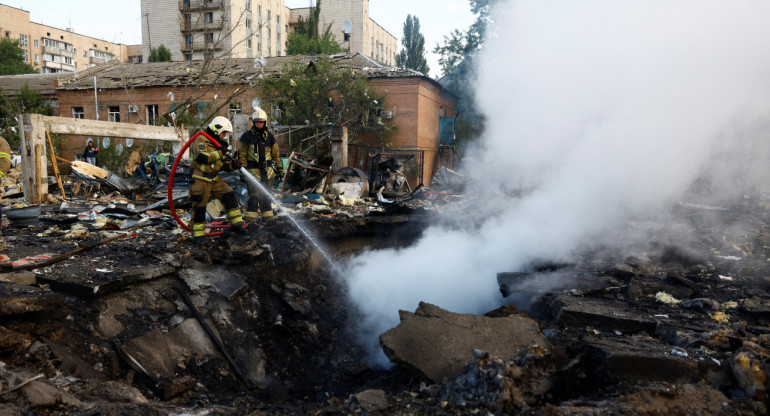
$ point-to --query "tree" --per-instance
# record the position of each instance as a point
(305, 40)
(26, 101)
(456, 59)
(12, 58)
(412, 56)
(160, 54)
(459, 45)
(318, 94)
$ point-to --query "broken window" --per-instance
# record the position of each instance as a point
(209, 38)
(235, 108)
(77, 112)
(152, 114)
(113, 113)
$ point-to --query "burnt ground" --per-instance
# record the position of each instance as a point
(108, 332)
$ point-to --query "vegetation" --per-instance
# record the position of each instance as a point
(12, 58)
(412, 56)
(320, 94)
(456, 59)
(27, 101)
(306, 40)
(160, 54)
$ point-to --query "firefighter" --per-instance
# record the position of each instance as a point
(206, 165)
(258, 151)
(5, 161)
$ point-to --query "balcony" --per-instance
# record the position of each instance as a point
(201, 46)
(58, 51)
(202, 26)
(200, 5)
(58, 65)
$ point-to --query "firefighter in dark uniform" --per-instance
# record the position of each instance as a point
(258, 152)
(206, 164)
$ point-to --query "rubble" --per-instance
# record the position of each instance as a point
(94, 319)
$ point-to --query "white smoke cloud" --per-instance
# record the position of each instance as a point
(602, 109)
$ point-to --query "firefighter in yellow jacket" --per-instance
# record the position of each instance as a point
(258, 152)
(208, 161)
(5, 159)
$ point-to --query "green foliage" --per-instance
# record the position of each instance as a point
(305, 40)
(160, 54)
(320, 94)
(412, 56)
(456, 56)
(318, 45)
(12, 59)
(27, 101)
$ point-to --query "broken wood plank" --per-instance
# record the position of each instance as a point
(55, 166)
(60, 257)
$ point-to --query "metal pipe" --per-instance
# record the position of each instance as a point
(96, 100)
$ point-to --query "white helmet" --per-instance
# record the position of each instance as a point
(221, 124)
(259, 115)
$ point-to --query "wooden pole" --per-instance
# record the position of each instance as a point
(55, 165)
(39, 177)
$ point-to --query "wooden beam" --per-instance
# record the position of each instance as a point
(32, 138)
(55, 166)
(82, 127)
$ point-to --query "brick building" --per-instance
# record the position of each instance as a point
(139, 94)
(53, 50)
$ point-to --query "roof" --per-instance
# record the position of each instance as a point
(234, 71)
(42, 83)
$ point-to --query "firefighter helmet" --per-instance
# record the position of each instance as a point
(259, 115)
(221, 124)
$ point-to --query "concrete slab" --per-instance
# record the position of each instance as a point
(101, 283)
(601, 314)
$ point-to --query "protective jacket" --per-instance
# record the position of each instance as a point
(256, 151)
(206, 163)
(5, 157)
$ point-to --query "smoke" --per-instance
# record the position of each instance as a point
(601, 110)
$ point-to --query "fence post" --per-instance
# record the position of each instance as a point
(33, 157)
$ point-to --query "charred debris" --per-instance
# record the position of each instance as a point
(106, 308)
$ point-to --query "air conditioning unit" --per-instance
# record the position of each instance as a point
(387, 114)
(133, 109)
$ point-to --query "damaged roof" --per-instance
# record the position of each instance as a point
(42, 83)
(225, 71)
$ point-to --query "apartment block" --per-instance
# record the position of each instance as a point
(194, 29)
(54, 50)
(366, 37)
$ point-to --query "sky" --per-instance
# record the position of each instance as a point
(120, 22)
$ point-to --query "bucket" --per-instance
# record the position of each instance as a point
(29, 215)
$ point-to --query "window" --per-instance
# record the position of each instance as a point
(209, 38)
(188, 41)
(37, 43)
(248, 43)
(208, 17)
(248, 23)
(77, 112)
(23, 41)
(187, 20)
(235, 108)
(85, 54)
(248, 4)
(25, 54)
(152, 114)
(278, 46)
(278, 23)
(188, 57)
(259, 42)
(37, 59)
(113, 113)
